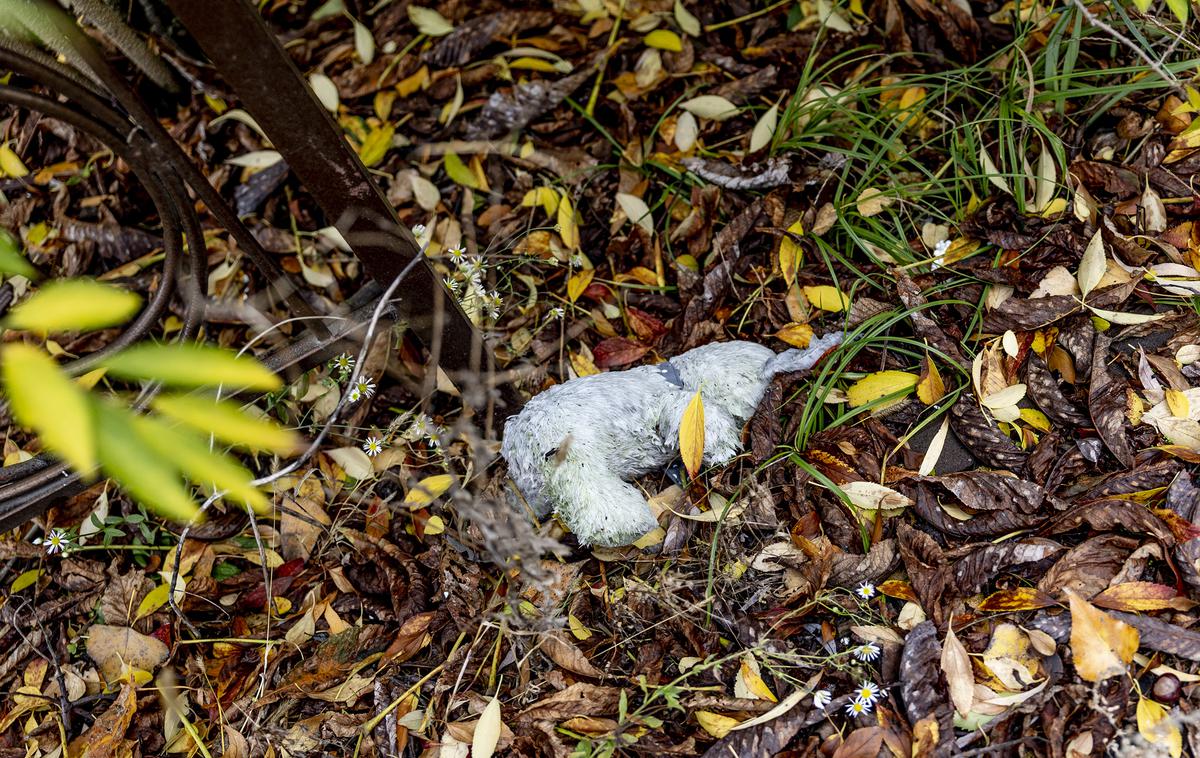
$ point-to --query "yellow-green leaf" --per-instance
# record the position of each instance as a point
(428, 21)
(580, 631)
(691, 435)
(376, 145)
(568, 230)
(827, 298)
(1180, 9)
(664, 39)
(24, 580)
(10, 163)
(687, 22)
(190, 453)
(458, 171)
(543, 196)
(76, 305)
(139, 469)
(428, 489)
(434, 526)
(579, 282)
(1093, 265)
(192, 365)
(42, 398)
(879, 385)
(228, 422)
(487, 731)
(11, 260)
(154, 599)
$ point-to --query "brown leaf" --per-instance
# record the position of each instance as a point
(560, 649)
(1087, 568)
(922, 690)
(861, 743)
(113, 647)
(580, 699)
(615, 352)
(982, 438)
(105, 738)
(956, 665)
(1043, 389)
(1106, 403)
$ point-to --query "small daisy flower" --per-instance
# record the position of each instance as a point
(353, 396)
(867, 692)
(422, 426)
(939, 253)
(557, 312)
(418, 230)
(343, 362)
(373, 446)
(867, 653)
(858, 708)
(472, 267)
(577, 260)
(452, 284)
(821, 698)
(866, 591)
(364, 388)
(457, 254)
(56, 541)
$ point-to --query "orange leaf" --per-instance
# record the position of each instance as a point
(796, 335)
(930, 387)
(1102, 645)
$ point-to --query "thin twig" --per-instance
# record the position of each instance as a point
(1156, 66)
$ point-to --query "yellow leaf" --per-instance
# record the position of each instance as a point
(458, 171)
(1154, 725)
(435, 525)
(414, 82)
(796, 335)
(790, 253)
(583, 365)
(827, 298)
(283, 606)
(1036, 419)
(880, 384)
(930, 387)
(1178, 403)
(376, 145)
(664, 39)
(1102, 645)
(567, 228)
(715, 724)
(691, 435)
(752, 681)
(579, 282)
(580, 631)
(428, 489)
(91, 378)
(1092, 266)
(533, 64)
(10, 163)
(543, 196)
(27, 579)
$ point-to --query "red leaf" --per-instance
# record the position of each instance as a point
(617, 351)
(644, 325)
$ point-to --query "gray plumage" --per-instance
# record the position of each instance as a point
(574, 447)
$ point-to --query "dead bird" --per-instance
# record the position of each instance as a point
(573, 448)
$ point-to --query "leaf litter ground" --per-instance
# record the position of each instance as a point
(971, 529)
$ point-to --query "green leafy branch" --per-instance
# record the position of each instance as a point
(150, 455)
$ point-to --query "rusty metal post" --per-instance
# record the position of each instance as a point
(253, 63)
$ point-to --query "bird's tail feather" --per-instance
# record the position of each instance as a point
(802, 360)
